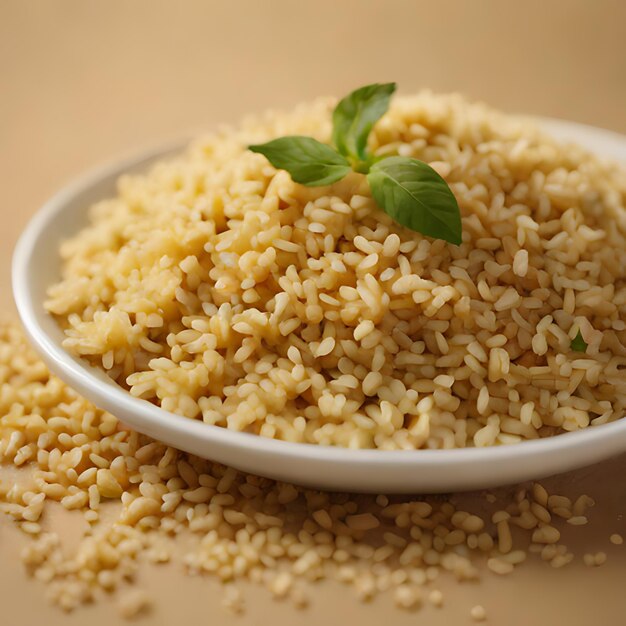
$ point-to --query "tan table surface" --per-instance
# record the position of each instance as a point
(82, 81)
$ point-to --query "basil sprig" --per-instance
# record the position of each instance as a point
(578, 343)
(355, 116)
(414, 195)
(408, 190)
(308, 161)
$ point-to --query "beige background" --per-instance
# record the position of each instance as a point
(83, 80)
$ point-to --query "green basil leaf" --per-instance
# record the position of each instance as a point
(308, 161)
(356, 114)
(578, 343)
(414, 195)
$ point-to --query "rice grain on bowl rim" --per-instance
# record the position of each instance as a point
(221, 290)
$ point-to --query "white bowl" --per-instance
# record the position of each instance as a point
(36, 265)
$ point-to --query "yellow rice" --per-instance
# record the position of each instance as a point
(220, 290)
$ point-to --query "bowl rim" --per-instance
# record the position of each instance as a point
(145, 416)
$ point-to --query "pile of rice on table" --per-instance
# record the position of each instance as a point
(219, 289)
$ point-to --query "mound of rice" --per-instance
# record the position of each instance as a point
(220, 290)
